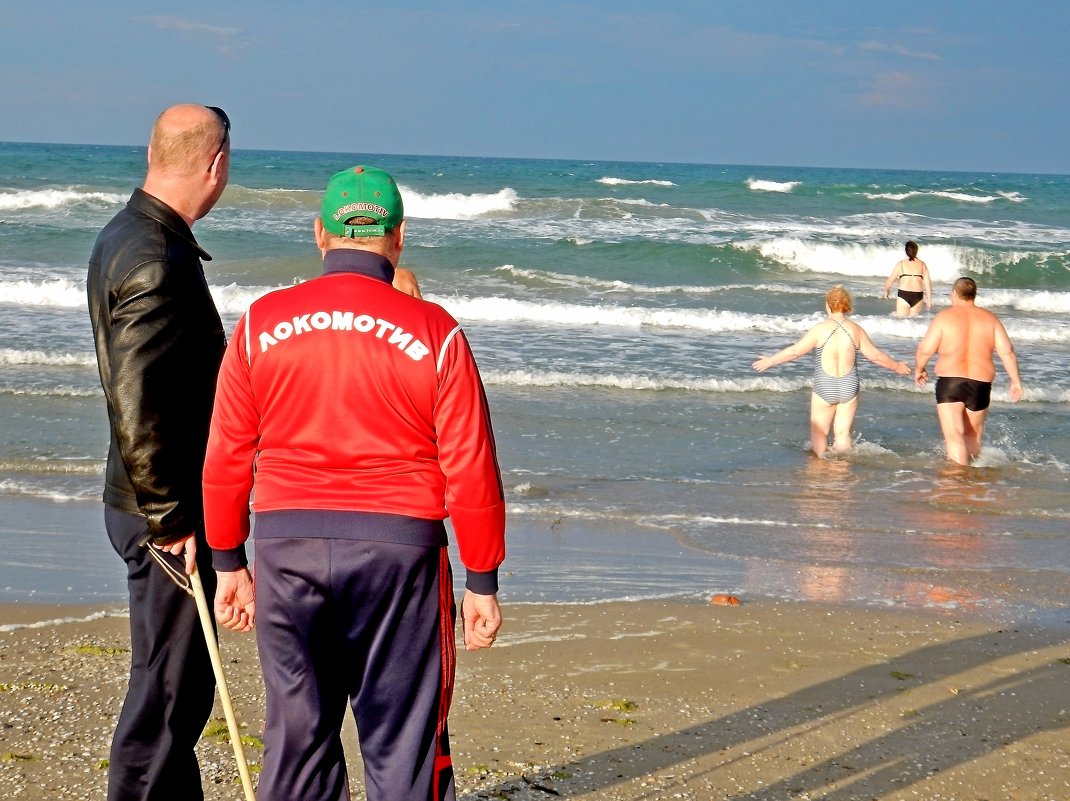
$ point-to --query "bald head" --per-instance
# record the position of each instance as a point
(185, 140)
(189, 159)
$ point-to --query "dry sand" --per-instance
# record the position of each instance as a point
(645, 700)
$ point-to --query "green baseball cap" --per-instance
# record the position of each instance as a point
(361, 192)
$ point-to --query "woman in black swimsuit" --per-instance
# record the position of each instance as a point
(914, 284)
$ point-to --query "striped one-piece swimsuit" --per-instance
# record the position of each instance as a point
(836, 389)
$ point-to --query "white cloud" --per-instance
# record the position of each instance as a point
(187, 26)
(899, 50)
(895, 90)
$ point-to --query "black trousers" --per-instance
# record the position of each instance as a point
(172, 688)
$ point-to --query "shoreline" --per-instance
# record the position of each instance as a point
(641, 699)
(590, 562)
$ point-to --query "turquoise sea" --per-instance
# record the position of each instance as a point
(615, 309)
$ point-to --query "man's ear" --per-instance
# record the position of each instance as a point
(400, 230)
(217, 165)
(321, 235)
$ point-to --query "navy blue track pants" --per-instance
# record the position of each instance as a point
(366, 623)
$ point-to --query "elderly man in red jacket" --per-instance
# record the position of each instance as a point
(354, 417)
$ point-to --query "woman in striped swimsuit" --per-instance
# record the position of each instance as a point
(838, 342)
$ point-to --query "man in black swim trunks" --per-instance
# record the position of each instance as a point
(963, 338)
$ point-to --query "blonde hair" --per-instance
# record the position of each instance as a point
(838, 300)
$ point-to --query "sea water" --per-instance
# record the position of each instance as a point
(615, 310)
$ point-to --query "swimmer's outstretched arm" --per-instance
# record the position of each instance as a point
(879, 357)
(806, 344)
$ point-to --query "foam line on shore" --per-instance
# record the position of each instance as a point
(59, 621)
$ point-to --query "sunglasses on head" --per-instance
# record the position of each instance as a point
(225, 121)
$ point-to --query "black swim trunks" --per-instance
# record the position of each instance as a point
(912, 298)
(975, 394)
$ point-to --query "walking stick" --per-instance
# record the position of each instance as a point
(192, 585)
(221, 683)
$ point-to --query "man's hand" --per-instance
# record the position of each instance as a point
(482, 618)
(186, 548)
(921, 376)
(235, 606)
(1016, 391)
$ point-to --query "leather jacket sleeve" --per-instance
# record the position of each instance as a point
(157, 400)
(159, 341)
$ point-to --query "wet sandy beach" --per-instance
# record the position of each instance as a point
(629, 700)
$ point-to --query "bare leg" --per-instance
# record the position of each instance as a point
(915, 309)
(974, 428)
(821, 415)
(844, 418)
(952, 417)
(902, 308)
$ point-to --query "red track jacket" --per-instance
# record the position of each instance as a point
(342, 393)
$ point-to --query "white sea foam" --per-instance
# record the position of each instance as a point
(608, 220)
(761, 185)
(64, 467)
(637, 201)
(959, 196)
(609, 181)
(234, 300)
(507, 310)
(1025, 300)
(51, 392)
(889, 226)
(498, 310)
(824, 257)
(570, 513)
(45, 624)
(553, 378)
(457, 206)
(604, 285)
(56, 293)
(22, 199)
(32, 490)
(873, 380)
(64, 293)
(714, 520)
(945, 262)
(12, 356)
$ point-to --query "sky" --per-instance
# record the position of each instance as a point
(975, 85)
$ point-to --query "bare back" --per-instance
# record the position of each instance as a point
(911, 274)
(840, 346)
(966, 340)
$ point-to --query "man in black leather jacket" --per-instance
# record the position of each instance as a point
(159, 341)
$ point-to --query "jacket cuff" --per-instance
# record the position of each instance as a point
(482, 583)
(164, 538)
(230, 559)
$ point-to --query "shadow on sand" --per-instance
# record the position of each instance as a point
(798, 741)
